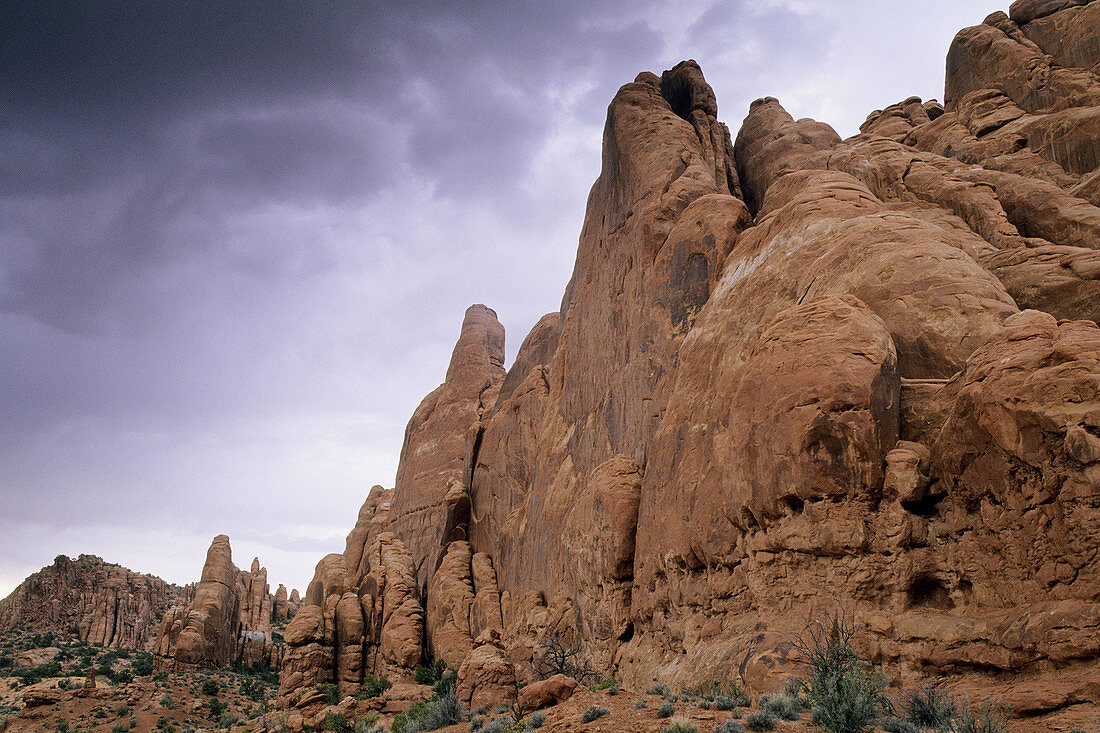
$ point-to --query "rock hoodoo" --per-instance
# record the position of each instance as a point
(790, 371)
(228, 620)
(99, 602)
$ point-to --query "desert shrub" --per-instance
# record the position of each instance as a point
(680, 725)
(429, 675)
(64, 683)
(337, 722)
(432, 714)
(760, 720)
(604, 684)
(229, 720)
(329, 690)
(476, 723)
(536, 720)
(447, 683)
(666, 710)
(122, 677)
(782, 706)
(898, 725)
(658, 689)
(714, 689)
(844, 694)
(989, 718)
(730, 726)
(370, 724)
(142, 664)
(726, 702)
(122, 710)
(559, 657)
(120, 728)
(704, 704)
(503, 724)
(211, 687)
(373, 686)
(166, 701)
(593, 713)
(640, 704)
(929, 706)
(253, 689)
(217, 708)
(62, 725)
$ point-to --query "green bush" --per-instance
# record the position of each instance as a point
(166, 701)
(330, 691)
(714, 689)
(440, 711)
(603, 684)
(370, 724)
(447, 683)
(680, 725)
(730, 726)
(930, 707)
(726, 702)
(253, 689)
(430, 675)
(503, 724)
(374, 686)
(658, 688)
(211, 687)
(217, 708)
(844, 694)
(989, 718)
(898, 725)
(640, 704)
(594, 713)
(337, 722)
(228, 720)
(142, 665)
(760, 720)
(782, 706)
(666, 710)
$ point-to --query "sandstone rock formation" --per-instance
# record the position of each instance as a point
(791, 373)
(99, 602)
(486, 676)
(228, 620)
(361, 613)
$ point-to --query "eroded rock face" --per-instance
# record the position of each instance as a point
(99, 602)
(361, 613)
(432, 456)
(788, 374)
(228, 620)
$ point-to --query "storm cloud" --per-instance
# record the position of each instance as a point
(237, 238)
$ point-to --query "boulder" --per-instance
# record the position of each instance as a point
(546, 693)
(486, 677)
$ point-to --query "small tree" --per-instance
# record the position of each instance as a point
(558, 657)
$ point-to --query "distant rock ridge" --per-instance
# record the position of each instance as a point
(791, 373)
(229, 619)
(99, 602)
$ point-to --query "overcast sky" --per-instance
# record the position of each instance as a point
(237, 238)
